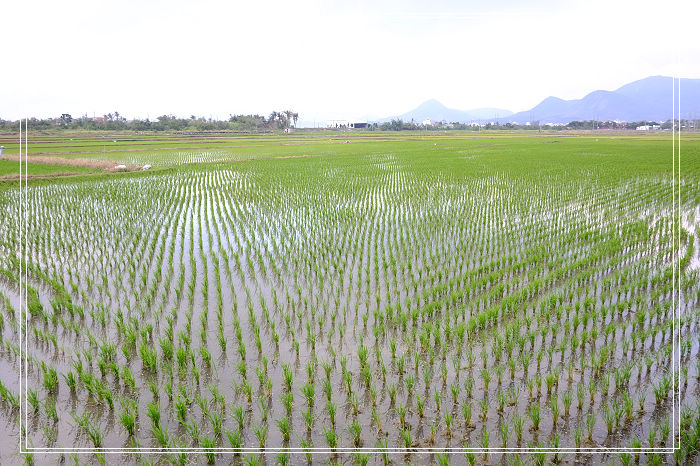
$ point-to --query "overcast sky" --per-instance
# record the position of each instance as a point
(328, 59)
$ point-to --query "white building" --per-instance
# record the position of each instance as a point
(345, 124)
(427, 122)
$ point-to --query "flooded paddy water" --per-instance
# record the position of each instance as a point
(392, 302)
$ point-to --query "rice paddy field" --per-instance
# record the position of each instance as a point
(365, 299)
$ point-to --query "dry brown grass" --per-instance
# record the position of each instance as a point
(36, 177)
(106, 165)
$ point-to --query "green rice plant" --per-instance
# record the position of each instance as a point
(625, 458)
(308, 392)
(652, 436)
(153, 387)
(539, 456)
(153, 411)
(554, 405)
(392, 394)
(627, 407)
(235, 439)
(247, 391)
(308, 418)
(128, 420)
(518, 423)
(410, 382)
(420, 405)
(590, 425)
(486, 377)
(484, 404)
(264, 409)
(283, 458)
(580, 394)
(534, 415)
(501, 400)
(578, 434)
(128, 378)
(208, 445)
(288, 402)
(469, 385)
(406, 437)
(484, 443)
(469, 455)
(504, 430)
(566, 400)
(376, 418)
(216, 423)
(33, 399)
(332, 438)
(260, 432)
(71, 381)
(238, 416)
(355, 404)
(636, 445)
(355, 432)
(641, 401)
(149, 357)
(206, 355)
(550, 381)
(50, 380)
(50, 409)
(454, 389)
(307, 446)
(181, 410)
(288, 377)
(285, 428)
(448, 424)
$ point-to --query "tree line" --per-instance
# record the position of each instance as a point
(116, 122)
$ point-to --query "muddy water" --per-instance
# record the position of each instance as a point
(320, 288)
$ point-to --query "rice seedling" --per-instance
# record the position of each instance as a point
(518, 423)
(332, 438)
(260, 432)
(235, 440)
(284, 425)
(208, 445)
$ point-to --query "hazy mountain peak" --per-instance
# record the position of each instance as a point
(434, 110)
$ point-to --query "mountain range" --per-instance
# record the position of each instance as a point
(646, 99)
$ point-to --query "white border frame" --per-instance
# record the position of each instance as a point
(675, 300)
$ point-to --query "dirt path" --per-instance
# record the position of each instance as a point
(96, 164)
(38, 177)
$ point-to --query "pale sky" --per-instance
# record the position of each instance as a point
(327, 59)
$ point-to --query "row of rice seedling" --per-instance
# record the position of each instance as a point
(385, 301)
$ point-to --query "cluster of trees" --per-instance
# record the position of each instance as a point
(116, 122)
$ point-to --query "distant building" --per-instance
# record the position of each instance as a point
(427, 122)
(345, 124)
(648, 127)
